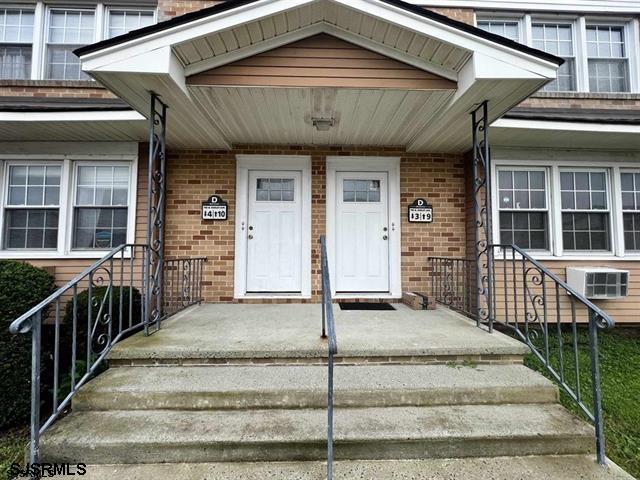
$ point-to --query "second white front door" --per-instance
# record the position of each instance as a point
(362, 232)
(274, 231)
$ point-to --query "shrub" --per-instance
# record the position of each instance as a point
(22, 286)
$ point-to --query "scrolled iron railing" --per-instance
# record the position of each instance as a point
(328, 332)
(538, 308)
(105, 303)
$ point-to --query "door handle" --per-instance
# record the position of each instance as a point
(385, 237)
(250, 237)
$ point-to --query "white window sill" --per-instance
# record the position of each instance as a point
(44, 255)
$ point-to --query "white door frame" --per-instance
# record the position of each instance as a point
(244, 163)
(391, 165)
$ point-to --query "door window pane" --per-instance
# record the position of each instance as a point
(366, 191)
(16, 37)
(275, 189)
(557, 39)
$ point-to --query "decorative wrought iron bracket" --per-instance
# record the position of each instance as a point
(482, 209)
(156, 212)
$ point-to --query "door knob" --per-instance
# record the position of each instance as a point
(385, 237)
(385, 229)
(250, 237)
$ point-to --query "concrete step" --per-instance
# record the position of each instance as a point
(161, 436)
(236, 387)
(551, 467)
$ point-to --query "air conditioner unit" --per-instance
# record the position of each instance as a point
(599, 282)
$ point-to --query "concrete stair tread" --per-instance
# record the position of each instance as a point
(306, 386)
(549, 467)
(234, 435)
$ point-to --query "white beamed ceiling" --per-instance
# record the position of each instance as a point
(284, 115)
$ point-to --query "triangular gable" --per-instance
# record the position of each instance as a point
(321, 61)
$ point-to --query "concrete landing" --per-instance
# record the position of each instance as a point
(224, 331)
(501, 468)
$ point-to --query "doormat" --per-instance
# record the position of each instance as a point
(365, 306)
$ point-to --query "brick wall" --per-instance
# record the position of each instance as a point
(173, 8)
(194, 175)
(53, 88)
(465, 15)
(574, 100)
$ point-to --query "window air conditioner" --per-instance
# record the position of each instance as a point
(599, 282)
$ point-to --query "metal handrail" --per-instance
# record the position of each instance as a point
(328, 332)
(21, 324)
(530, 300)
(107, 282)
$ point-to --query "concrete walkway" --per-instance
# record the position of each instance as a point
(293, 331)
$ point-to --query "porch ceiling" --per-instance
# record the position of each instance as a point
(483, 68)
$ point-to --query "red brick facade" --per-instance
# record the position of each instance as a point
(194, 175)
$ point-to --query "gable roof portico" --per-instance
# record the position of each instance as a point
(165, 58)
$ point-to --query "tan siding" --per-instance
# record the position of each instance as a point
(321, 61)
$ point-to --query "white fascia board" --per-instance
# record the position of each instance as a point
(595, 128)
(264, 8)
(582, 6)
(60, 150)
(85, 116)
(198, 28)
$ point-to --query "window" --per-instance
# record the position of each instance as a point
(557, 39)
(68, 30)
(509, 29)
(32, 207)
(275, 190)
(361, 191)
(630, 185)
(608, 71)
(101, 206)
(585, 215)
(523, 208)
(16, 37)
(123, 21)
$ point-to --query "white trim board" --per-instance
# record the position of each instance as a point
(244, 163)
(391, 165)
(605, 6)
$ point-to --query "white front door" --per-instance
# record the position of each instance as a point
(274, 231)
(362, 232)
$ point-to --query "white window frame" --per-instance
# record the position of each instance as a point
(596, 161)
(631, 29)
(69, 164)
(621, 211)
(125, 8)
(31, 8)
(41, 25)
(72, 201)
(547, 210)
(608, 176)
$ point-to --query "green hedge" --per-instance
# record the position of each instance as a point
(22, 286)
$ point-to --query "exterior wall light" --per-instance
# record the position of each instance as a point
(323, 124)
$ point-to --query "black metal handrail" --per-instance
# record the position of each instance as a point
(328, 332)
(116, 304)
(532, 303)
